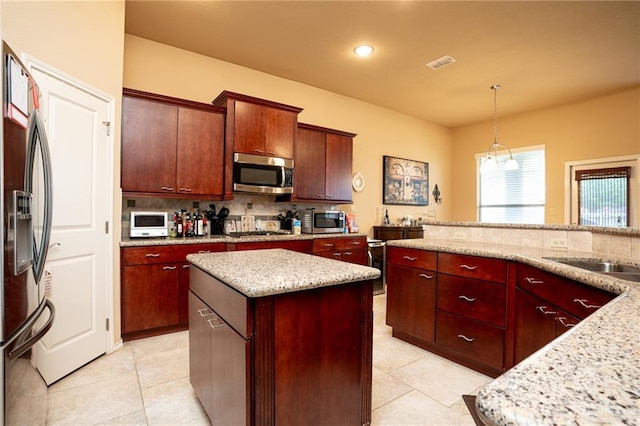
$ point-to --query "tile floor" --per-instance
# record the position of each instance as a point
(147, 383)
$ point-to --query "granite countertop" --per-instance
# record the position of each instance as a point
(140, 242)
(258, 273)
(589, 375)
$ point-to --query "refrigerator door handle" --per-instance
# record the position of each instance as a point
(16, 352)
(38, 136)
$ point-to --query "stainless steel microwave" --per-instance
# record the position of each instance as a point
(259, 174)
(323, 222)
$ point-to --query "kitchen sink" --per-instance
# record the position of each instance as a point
(625, 272)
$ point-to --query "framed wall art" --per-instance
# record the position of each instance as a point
(405, 182)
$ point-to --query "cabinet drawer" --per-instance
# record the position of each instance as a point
(227, 302)
(481, 300)
(470, 339)
(164, 254)
(413, 258)
(359, 256)
(149, 255)
(336, 244)
(577, 299)
(473, 267)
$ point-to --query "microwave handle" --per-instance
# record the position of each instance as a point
(283, 176)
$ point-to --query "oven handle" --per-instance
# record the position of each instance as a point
(16, 352)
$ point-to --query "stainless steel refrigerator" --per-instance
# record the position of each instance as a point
(25, 313)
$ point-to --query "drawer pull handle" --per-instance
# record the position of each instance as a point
(169, 268)
(328, 244)
(167, 188)
(185, 189)
(564, 323)
(356, 243)
(185, 266)
(337, 254)
(468, 267)
(204, 251)
(533, 281)
(468, 339)
(584, 304)
(218, 325)
(348, 253)
(429, 277)
(152, 255)
(545, 311)
(203, 314)
(409, 258)
(467, 299)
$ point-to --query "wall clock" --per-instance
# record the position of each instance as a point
(358, 182)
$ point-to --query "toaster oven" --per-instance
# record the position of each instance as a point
(149, 224)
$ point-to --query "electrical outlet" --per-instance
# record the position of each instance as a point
(459, 236)
(558, 243)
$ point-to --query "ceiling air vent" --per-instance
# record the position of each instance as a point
(443, 61)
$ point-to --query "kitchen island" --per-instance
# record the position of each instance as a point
(589, 375)
(280, 337)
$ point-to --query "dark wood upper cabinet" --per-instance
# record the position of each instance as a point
(322, 164)
(149, 135)
(171, 146)
(309, 165)
(200, 166)
(256, 126)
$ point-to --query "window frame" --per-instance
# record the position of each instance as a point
(571, 214)
(501, 154)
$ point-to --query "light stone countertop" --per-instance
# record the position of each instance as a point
(160, 241)
(589, 375)
(258, 273)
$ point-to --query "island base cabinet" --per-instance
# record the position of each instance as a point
(299, 358)
(217, 365)
(320, 358)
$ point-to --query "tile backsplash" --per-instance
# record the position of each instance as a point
(261, 206)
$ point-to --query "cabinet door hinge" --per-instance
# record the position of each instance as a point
(107, 324)
(106, 227)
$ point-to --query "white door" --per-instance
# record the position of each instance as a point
(78, 261)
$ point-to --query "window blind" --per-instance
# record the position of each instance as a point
(513, 196)
(603, 196)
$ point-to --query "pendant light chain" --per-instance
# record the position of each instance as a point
(495, 88)
(491, 159)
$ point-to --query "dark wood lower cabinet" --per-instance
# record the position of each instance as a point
(301, 358)
(158, 286)
(538, 322)
(154, 286)
(471, 341)
(218, 355)
(485, 313)
(411, 301)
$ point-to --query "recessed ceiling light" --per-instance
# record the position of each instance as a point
(363, 50)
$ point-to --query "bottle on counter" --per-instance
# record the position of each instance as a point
(177, 219)
(199, 231)
(188, 231)
(386, 220)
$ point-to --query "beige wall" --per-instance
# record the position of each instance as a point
(84, 40)
(159, 68)
(599, 128)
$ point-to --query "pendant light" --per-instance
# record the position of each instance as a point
(490, 161)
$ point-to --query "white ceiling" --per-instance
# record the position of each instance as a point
(542, 53)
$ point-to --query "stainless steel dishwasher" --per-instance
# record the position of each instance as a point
(376, 260)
